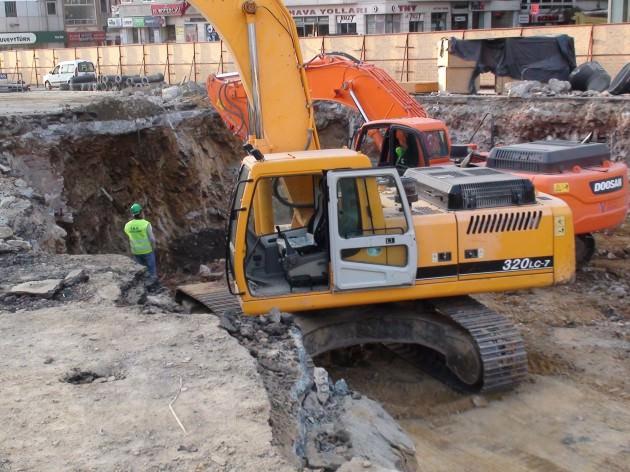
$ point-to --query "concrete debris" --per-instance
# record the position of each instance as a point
(5, 232)
(208, 274)
(320, 426)
(479, 401)
(38, 288)
(74, 277)
(5, 169)
(321, 384)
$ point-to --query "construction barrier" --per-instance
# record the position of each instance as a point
(408, 57)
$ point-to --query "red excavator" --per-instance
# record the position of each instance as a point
(398, 132)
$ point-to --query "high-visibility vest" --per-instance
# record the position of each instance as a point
(136, 230)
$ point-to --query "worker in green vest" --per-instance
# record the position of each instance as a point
(141, 239)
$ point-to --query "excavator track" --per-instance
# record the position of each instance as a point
(483, 349)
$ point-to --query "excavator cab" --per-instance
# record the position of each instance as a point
(322, 231)
(404, 143)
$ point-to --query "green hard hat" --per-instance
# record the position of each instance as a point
(135, 209)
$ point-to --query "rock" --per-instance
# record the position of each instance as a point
(49, 360)
(479, 401)
(227, 324)
(320, 376)
(341, 387)
(4, 169)
(109, 292)
(20, 183)
(6, 202)
(189, 448)
(74, 277)
(559, 86)
(218, 460)
(170, 93)
(162, 301)
(618, 291)
(5, 232)
(207, 274)
(275, 329)
(522, 89)
(358, 464)
(38, 288)
(275, 316)
(286, 318)
(5, 248)
(19, 244)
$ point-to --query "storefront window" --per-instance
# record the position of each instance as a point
(312, 25)
(379, 24)
(191, 33)
(438, 21)
(416, 26)
(460, 22)
(346, 24)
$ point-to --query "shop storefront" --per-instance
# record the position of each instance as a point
(85, 38)
(371, 18)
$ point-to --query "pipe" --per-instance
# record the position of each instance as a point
(253, 60)
(357, 104)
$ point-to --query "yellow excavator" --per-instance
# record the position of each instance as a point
(360, 254)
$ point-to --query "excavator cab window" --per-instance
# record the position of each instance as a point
(286, 245)
(404, 149)
(434, 144)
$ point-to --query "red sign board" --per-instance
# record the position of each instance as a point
(534, 8)
(169, 9)
(86, 36)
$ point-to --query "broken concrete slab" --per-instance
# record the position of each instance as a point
(19, 244)
(38, 288)
(74, 277)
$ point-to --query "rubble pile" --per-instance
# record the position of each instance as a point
(323, 424)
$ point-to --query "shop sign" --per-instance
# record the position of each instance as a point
(547, 18)
(345, 18)
(114, 22)
(534, 8)
(460, 18)
(86, 36)
(138, 22)
(154, 21)
(127, 22)
(523, 19)
(332, 11)
(477, 6)
(14, 39)
(416, 16)
(172, 9)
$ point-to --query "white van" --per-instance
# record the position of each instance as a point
(64, 71)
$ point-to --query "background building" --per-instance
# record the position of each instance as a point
(85, 21)
(618, 11)
(138, 21)
(29, 23)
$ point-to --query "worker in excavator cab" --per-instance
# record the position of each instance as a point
(405, 150)
(141, 240)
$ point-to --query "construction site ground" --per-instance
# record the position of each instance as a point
(153, 368)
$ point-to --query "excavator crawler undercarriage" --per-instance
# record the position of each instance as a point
(481, 348)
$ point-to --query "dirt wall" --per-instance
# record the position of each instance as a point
(527, 119)
(177, 160)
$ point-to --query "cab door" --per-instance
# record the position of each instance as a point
(372, 238)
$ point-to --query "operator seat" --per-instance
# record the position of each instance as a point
(305, 258)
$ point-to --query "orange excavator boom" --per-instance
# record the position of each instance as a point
(336, 77)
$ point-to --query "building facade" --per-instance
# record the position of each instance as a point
(85, 21)
(30, 23)
(142, 22)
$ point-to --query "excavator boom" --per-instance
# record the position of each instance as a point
(336, 77)
(261, 37)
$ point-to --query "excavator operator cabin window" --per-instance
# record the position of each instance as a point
(369, 206)
(284, 202)
(435, 144)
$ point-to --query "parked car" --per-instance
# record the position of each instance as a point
(64, 71)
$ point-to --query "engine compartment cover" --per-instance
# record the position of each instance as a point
(456, 188)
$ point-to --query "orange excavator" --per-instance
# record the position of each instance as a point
(397, 131)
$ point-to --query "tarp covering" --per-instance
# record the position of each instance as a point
(530, 58)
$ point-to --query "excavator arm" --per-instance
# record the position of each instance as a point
(336, 77)
(262, 39)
